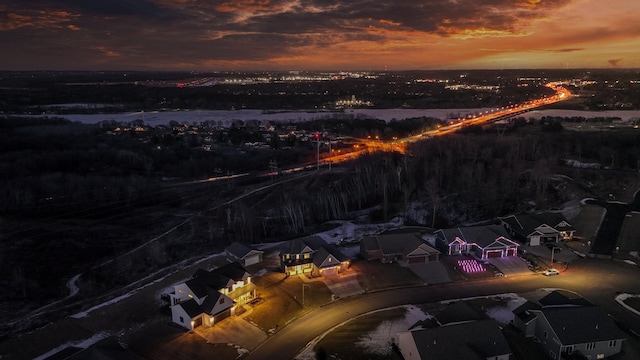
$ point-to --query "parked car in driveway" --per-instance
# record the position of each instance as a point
(550, 272)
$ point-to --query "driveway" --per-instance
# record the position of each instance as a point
(233, 330)
(433, 272)
(343, 285)
(511, 265)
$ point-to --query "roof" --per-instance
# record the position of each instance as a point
(526, 224)
(557, 297)
(240, 250)
(523, 312)
(482, 236)
(298, 246)
(191, 307)
(210, 303)
(320, 249)
(471, 340)
(399, 243)
(581, 324)
(323, 253)
(206, 282)
(459, 311)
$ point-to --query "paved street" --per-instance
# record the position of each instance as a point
(597, 280)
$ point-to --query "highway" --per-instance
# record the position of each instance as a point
(597, 280)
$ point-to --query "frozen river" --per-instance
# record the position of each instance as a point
(226, 117)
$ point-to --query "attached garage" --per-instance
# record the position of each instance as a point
(417, 259)
(494, 253)
(197, 321)
(329, 271)
(253, 259)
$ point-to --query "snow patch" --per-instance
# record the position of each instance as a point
(72, 286)
(620, 298)
(82, 344)
(378, 341)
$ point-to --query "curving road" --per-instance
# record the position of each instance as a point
(596, 280)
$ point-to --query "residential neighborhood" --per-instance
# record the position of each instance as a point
(559, 323)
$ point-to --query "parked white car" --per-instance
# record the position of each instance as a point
(550, 272)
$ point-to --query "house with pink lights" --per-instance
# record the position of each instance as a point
(482, 241)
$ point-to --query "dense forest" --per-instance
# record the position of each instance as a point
(92, 197)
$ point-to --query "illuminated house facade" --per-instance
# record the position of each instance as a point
(210, 296)
(312, 256)
(537, 229)
(482, 241)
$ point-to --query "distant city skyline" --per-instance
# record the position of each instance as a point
(224, 35)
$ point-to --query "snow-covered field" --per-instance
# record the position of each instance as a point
(226, 117)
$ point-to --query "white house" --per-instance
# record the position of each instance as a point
(210, 296)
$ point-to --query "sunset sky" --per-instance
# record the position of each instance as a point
(206, 35)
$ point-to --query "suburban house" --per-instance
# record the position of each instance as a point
(409, 248)
(210, 296)
(480, 339)
(483, 241)
(536, 229)
(244, 254)
(569, 326)
(313, 256)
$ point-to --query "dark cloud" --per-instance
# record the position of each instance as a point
(143, 30)
(567, 50)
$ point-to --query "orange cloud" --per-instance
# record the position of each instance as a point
(246, 5)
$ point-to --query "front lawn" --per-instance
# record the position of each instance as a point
(374, 275)
(281, 299)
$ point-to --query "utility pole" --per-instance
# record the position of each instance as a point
(317, 137)
(273, 168)
(330, 154)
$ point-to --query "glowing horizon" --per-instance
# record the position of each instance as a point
(199, 35)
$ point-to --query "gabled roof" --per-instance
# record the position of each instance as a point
(327, 252)
(400, 243)
(472, 340)
(321, 250)
(240, 250)
(191, 307)
(479, 235)
(458, 312)
(210, 282)
(581, 324)
(300, 246)
(563, 298)
(527, 224)
(209, 304)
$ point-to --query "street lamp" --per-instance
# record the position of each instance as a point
(303, 285)
(553, 251)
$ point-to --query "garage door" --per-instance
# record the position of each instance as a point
(492, 254)
(416, 259)
(330, 271)
(197, 321)
(252, 260)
